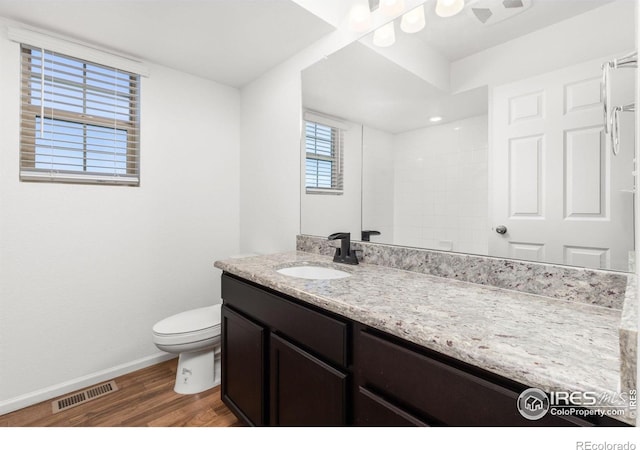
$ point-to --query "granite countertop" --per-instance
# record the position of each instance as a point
(538, 341)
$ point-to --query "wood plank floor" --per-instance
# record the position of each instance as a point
(145, 398)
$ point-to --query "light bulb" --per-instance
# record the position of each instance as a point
(391, 8)
(384, 36)
(413, 21)
(360, 16)
(448, 8)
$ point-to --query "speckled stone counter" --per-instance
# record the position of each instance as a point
(538, 341)
(595, 287)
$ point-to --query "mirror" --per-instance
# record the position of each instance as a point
(484, 134)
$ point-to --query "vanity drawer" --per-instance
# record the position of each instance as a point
(442, 393)
(372, 410)
(312, 330)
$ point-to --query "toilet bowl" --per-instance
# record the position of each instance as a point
(195, 336)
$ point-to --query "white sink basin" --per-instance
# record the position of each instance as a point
(314, 272)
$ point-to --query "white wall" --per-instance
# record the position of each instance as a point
(271, 125)
(269, 163)
(324, 214)
(378, 183)
(85, 271)
(441, 198)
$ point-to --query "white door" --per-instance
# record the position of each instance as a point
(556, 187)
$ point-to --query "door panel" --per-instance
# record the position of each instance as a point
(584, 94)
(526, 250)
(526, 177)
(585, 173)
(587, 257)
(526, 107)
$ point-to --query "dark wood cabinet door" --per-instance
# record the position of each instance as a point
(243, 367)
(304, 390)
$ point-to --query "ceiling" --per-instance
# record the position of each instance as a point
(463, 34)
(228, 41)
(332, 11)
(359, 85)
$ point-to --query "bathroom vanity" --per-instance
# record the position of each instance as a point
(281, 358)
(388, 347)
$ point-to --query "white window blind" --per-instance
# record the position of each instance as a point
(324, 147)
(79, 120)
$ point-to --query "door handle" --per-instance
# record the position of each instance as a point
(501, 229)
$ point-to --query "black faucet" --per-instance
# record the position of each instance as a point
(366, 234)
(344, 254)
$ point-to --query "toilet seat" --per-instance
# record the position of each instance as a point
(189, 327)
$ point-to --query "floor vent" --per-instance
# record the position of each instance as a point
(78, 398)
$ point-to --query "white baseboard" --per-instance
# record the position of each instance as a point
(57, 390)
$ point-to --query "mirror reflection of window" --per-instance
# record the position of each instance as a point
(323, 164)
(331, 168)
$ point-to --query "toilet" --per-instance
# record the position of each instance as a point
(195, 336)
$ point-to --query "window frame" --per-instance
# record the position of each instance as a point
(336, 158)
(30, 114)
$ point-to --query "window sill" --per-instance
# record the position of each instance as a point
(62, 177)
(316, 191)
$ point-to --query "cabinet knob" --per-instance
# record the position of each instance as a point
(501, 229)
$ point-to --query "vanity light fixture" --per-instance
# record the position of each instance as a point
(391, 8)
(360, 16)
(448, 8)
(413, 21)
(384, 36)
